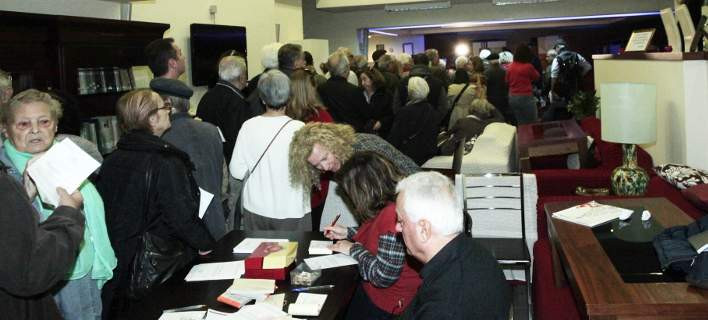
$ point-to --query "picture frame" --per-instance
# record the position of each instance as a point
(640, 40)
(408, 48)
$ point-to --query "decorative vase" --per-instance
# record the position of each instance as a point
(629, 179)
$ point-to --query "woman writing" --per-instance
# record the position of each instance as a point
(389, 282)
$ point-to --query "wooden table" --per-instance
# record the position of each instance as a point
(599, 290)
(550, 138)
(176, 292)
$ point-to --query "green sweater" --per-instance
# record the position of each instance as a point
(96, 254)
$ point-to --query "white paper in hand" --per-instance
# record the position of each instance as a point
(205, 198)
(63, 165)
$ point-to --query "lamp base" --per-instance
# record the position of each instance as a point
(629, 179)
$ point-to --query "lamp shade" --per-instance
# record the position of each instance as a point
(628, 112)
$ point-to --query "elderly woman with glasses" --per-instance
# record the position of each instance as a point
(148, 187)
(29, 122)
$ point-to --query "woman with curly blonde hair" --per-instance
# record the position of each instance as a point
(319, 147)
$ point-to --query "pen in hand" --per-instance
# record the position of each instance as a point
(333, 222)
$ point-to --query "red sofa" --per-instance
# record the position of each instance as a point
(551, 302)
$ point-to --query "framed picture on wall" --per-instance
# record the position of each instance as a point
(408, 48)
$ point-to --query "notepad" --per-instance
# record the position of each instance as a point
(319, 247)
(591, 214)
(248, 245)
(276, 300)
(330, 261)
(253, 287)
(216, 271)
(307, 304)
(64, 165)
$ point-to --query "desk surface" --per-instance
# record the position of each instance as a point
(177, 293)
(549, 138)
(599, 289)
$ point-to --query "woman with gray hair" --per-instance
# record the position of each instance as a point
(260, 158)
(415, 127)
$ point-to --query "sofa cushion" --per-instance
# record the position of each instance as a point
(697, 195)
(681, 176)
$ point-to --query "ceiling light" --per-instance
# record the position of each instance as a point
(417, 6)
(383, 33)
(462, 49)
(506, 2)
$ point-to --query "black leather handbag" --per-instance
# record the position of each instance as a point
(156, 258)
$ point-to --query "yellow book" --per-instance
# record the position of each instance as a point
(281, 258)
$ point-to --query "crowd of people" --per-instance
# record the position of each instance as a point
(267, 149)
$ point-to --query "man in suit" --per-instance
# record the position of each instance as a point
(202, 142)
(344, 101)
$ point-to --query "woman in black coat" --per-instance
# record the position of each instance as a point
(147, 185)
(379, 100)
(415, 128)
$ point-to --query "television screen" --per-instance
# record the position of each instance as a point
(209, 42)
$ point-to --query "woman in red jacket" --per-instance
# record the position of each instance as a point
(389, 281)
(519, 77)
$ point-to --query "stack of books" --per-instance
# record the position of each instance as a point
(271, 260)
(243, 291)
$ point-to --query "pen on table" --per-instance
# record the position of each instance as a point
(334, 222)
(327, 286)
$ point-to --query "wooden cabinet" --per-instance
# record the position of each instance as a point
(46, 51)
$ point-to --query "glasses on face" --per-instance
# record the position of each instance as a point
(27, 124)
(166, 107)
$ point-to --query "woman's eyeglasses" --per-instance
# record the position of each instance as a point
(27, 124)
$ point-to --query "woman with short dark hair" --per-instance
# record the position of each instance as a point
(389, 283)
(519, 77)
(379, 100)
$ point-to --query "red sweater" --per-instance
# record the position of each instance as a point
(519, 77)
(395, 298)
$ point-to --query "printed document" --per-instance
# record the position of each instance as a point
(64, 165)
(330, 261)
(216, 271)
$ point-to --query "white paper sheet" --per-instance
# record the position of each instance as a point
(63, 165)
(260, 311)
(216, 271)
(205, 198)
(307, 304)
(250, 244)
(330, 261)
(218, 315)
(186, 315)
(319, 247)
(590, 214)
(276, 300)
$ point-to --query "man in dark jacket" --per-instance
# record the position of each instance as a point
(497, 88)
(225, 104)
(461, 279)
(438, 92)
(202, 142)
(344, 101)
(35, 256)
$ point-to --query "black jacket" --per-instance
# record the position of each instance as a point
(437, 97)
(380, 106)
(171, 199)
(225, 107)
(462, 281)
(415, 131)
(35, 256)
(345, 102)
(497, 89)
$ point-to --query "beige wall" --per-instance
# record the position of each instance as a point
(78, 8)
(681, 115)
(288, 14)
(257, 18)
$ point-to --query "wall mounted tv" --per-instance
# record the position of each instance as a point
(208, 43)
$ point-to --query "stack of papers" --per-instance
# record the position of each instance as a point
(307, 304)
(248, 245)
(591, 214)
(216, 271)
(319, 247)
(330, 261)
(185, 315)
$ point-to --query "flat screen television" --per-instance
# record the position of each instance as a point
(208, 43)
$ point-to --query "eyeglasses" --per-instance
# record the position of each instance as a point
(166, 107)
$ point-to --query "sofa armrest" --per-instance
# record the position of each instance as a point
(562, 182)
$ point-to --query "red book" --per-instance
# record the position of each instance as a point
(275, 274)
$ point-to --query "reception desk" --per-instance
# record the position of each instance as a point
(681, 81)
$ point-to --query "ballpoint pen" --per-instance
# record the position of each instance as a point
(189, 308)
(334, 222)
(327, 286)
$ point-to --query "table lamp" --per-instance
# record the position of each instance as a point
(628, 114)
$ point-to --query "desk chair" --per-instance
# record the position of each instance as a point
(494, 207)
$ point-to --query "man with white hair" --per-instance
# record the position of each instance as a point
(269, 60)
(461, 279)
(344, 101)
(225, 104)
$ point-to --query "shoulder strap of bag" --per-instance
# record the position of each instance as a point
(459, 95)
(269, 144)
